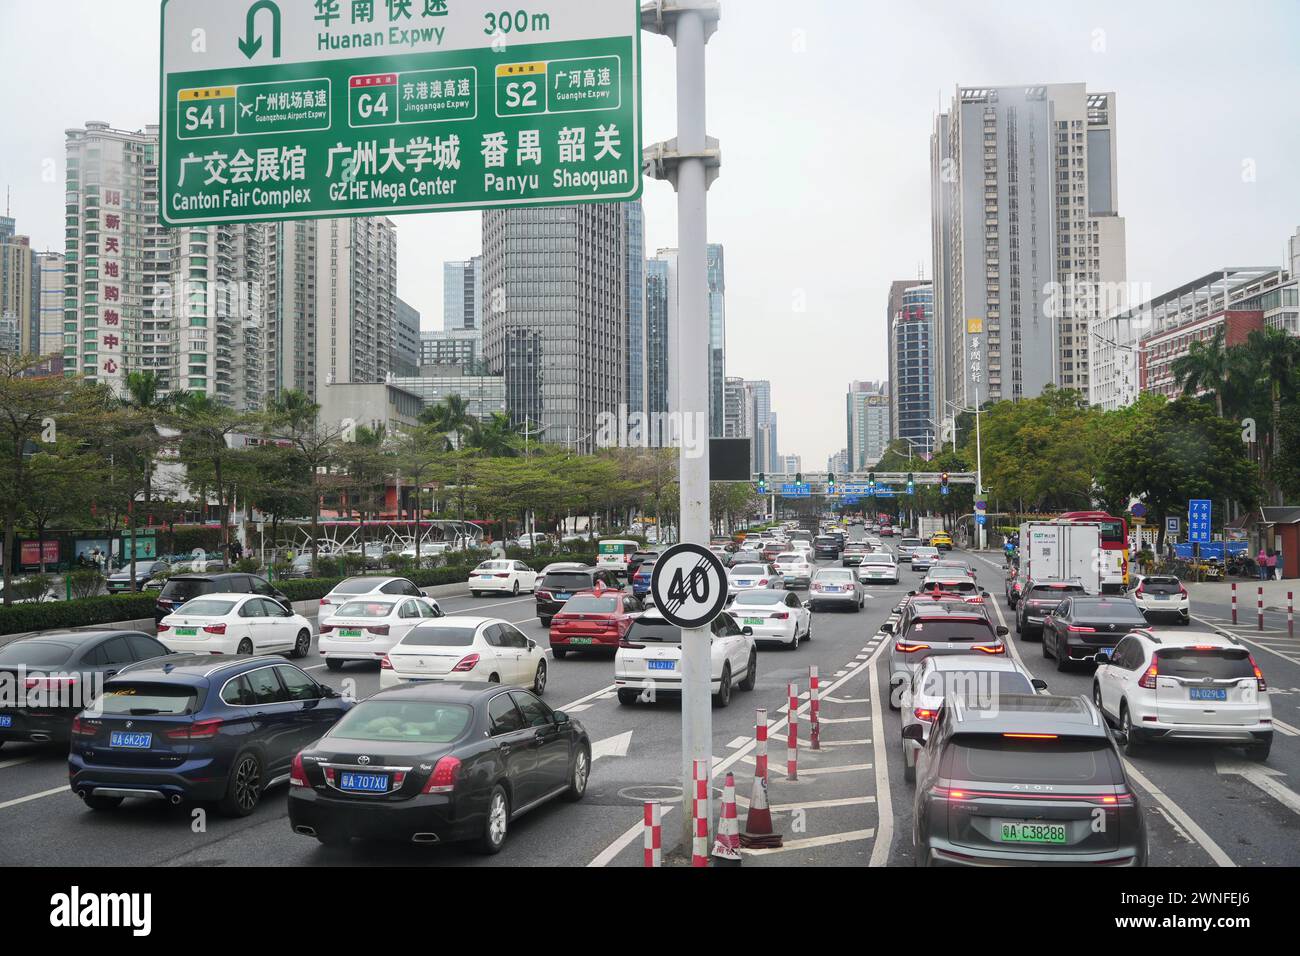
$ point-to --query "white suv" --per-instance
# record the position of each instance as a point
(1163, 595)
(1178, 685)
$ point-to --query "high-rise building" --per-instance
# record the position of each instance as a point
(463, 348)
(634, 223)
(1028, 242)
(656, 352)
(911, 394)
(867, 418)
(462, 294)
(717, 318)
(838, 463)
(19, 308)
(51, 267)
(560, 339)
(738, 409)
(790, 464)
(405, 359)
(289, 336)
(356, 299)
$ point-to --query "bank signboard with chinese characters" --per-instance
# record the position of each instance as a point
(299, 109)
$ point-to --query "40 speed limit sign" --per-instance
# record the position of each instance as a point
(689, 585)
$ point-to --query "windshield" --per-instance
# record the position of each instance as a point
(653, 630)
(835, 575)
(141, 699)
(406, 720)
(205, 608)
(757, 598)
(366, 609)
(909, 542)
(357, 586)
(748, 570)
(494, 566)
(1193, 664)
(35, 653)
(975, 685)
(452, 636)
(878, 558)
(997, 759)
(950, 630)
(566, 581)
(182, 589)
(588, 604)
(1120, 612)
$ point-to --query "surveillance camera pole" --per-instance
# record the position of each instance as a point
(690, 162)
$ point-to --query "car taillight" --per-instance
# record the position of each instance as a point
(466, 663)
(377, 628)
(815, 587)
(385, 664)
(326, 628)
(947, 793)
(501, 574)
(83, 728)
(163, 627)
(1182, 591)
(990, 648)
(781, 616)
(50, 684)
(1080, 629)
(910, 648)
(925, 713)
(199, 730)
(214, 628)
(324, 602)
(1259, 674)
(1139, 592)
(543, 595)
(445, 774)
(297, 776)
(763, 582)
(1148, 679)
(628, 645)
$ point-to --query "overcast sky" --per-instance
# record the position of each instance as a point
(824, 110)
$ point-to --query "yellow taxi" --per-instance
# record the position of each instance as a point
(941, 540)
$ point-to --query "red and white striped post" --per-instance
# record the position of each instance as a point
(654, 833)
(700, 808)
(758, 830)
(1234, 602)
(815, 707)
(1259, 607)
(792, 737)
(1290, 615)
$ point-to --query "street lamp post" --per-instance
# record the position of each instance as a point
(980, 531)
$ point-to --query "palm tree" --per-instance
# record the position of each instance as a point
(1275, 355)
(1204, 368)
(147, 407)
(498, 437)
(451, 417)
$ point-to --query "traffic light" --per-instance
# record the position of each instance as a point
(911, 484)
(944, 481)
(830, 483)
(798, 477)
(871, 483)
(762, 483)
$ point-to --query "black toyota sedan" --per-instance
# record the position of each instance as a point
(56, 674)
(437, 763)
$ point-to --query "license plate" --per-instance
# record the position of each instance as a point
(832, 589)
(128, 741)
(563, 597)
(364, 782)
(1013, 831)
(186, 631)
(1162, 597)
(754, 620)
(349, 632)
(6, 720)
(582, 640)
(662, 665)
(1208, 693)
(485, 577)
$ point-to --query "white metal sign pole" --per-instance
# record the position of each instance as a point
(691, 164)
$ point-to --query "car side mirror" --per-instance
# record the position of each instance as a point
(1103, 654)
(887, 628)
(911, 594)
(984, 593)
(560, 717)
(1002, 630)
(807, 604)
(914, 732)
(329, 692)
(747, 631)
(1038, 683)
(532, 644)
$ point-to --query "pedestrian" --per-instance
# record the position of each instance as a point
(1272, 565)
(1261, 560)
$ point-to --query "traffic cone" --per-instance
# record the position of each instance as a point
(726, 849)
(758, 831)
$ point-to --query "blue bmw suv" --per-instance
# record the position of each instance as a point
(198, 728)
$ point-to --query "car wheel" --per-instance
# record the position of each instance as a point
(1096, 702)
(1259, 751)
(794, 640)
(751, 674)
(497, 824)
(544, 621)
(1042, 645)
(1020, 628)
(514, 589)
(1062, 655)
(102, 803)
(539, 679)
(626, 696)
(245, 647)
(244, 786)
(723, 697)
(302, 646)
(581, 774)
(1132, 746)
(474, 593)
(894, 689)
(560, 653)
(909, 769)
(333, 665)
(494, 679)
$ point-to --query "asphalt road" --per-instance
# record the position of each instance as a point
(850, 805)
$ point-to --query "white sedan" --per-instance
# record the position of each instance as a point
(878, 567)
(465, 649)
(648, 661)
(235, 624)
(369, 584)
(367, 628)
(502, 576)
(796, 568)
(743, 576)
(773, 616)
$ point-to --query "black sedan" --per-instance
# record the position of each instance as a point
(1081, 625)
(119, 582)
(58, 673)
(437, 763)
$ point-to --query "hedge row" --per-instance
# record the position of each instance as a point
(109, 608)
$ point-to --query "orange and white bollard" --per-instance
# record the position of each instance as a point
(700, 809)
(792, 735)
(814, 708)
(1290, 615)
(1234, 602)
(726, 848)
(1259, 605)
(654, 833)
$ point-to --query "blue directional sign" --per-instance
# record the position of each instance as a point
(981, 518)
(849, 500)
(1199, 511)
(883, 491)
(803, 490)
(1173, 524)
(944, 489)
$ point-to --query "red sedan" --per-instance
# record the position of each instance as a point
(593, 620)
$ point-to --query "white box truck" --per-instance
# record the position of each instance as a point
(1062, 550)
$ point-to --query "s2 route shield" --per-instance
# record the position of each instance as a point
(689, 585)
(300, 109)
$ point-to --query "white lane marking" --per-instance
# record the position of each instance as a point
(846, 837)
(840, 673)
(15, 762)
(846, 743)
(592, 696)
(885, 806)
(620, 843)
(811, 804)
(737, 742)
(615, 746)
(1173, 824)
(1264, 778)
(1281, 725)
(35, 796)
(1245, 640)
(863, 657)
(579, 709)
(842, 720)
(1205, 841)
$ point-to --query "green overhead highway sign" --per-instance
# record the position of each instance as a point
(299, 109)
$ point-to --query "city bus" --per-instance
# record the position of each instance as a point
(1114, 541)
